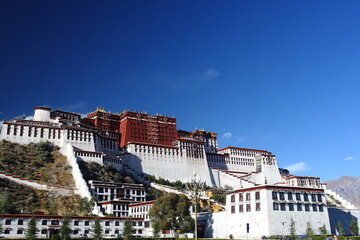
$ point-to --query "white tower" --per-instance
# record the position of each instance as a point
(42, 114)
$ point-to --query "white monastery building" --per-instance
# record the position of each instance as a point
(263, 200)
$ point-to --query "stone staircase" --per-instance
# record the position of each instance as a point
(337, 200)
(140, 178)
(234, 179)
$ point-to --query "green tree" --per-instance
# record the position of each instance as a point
(309, 230)
(219, 198)
(65, 229)
(97, 230)
(323, 229)
(6, 205)
(172, 212)
(354, 227)
(128, 228)
(32, 230)
(340, 229)
(86, 206)
(156, 230)
(292, 229)
(1, 228)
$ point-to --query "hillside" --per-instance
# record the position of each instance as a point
(36, 161)
(19, 198)
(347, 187)
(44, 163)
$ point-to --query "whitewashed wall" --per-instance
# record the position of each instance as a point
(169, 164)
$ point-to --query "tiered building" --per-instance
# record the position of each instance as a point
(144, 128)
(263, 199)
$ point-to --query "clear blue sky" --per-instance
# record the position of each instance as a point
(276, 75)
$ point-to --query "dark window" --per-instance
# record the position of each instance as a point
(140, 224)
(20, 222)
(43, 231)
(297, 195)
(307, 207)
(248, 197)
(76, 231)
(313, 197)
(290, 196)
(275, 206)
(107, 223)
(76, 223)
(232, 209)
(107, 231)
(87, 231)
(241, 208)
(291, 207)
(282, 207)
(116, 223)
(139, 231)
(55, 222)
(306, 197)
(257, 206)
(281, 196)
(147, 224)
(7, 221)
(257, 195)
(319, 198)
(299, 207)
(134, 223)
(19, 231)
(7, 231)
(44, 222)
(321, 208)
(116, 232)
(314, 207)
(86, 223)
(241, 197)
(248, 207)
(232, 198)
(274, 195)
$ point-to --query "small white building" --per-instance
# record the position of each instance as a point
(105, 191)
(267, 210)
(15, 225)
(141, 210)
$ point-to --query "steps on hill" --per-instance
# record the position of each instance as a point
(38, 185)
(134, 174)
(233, 179)
(82, 187)
(336, 199)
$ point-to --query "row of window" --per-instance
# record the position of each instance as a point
(247, 207)
(74, 232)
(119, 190)
(281, 196)
(57, 222)
(299, 207)
(247, 197)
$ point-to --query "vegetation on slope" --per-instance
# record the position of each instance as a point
(36, 161)
(16, 198)
(106, 173)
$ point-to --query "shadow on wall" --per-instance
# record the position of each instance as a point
(134, 162)
(338, 215)
(209, 231)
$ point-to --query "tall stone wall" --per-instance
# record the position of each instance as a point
(166, 162)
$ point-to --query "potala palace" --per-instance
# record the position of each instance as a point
(263, 200)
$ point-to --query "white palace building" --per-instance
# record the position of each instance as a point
(263, 200)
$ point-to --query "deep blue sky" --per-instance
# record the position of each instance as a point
(276, 75)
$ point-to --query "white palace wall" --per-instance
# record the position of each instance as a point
(167, 162)
(255, 208)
